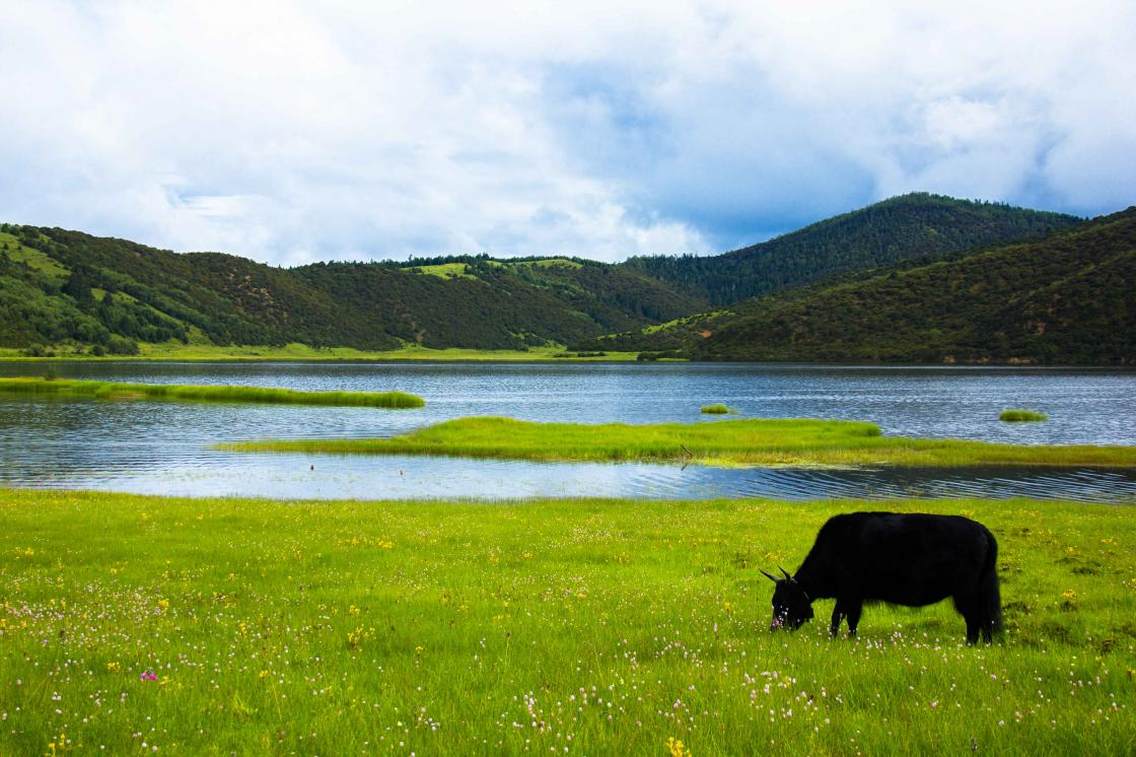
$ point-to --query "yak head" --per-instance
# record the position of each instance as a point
(791, 605)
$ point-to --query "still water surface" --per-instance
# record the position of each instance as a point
(163, 448)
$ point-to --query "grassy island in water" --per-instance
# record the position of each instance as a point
(716, 409)
(116, 390)
(1021, 415)
(753, 442)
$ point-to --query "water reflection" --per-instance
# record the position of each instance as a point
(341, 477)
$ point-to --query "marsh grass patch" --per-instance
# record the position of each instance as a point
(1020, 415)
(115, 390)
(716, 409)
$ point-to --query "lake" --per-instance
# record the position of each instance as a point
(164, 448)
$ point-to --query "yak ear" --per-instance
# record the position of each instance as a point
(786, 573)
(774, 579)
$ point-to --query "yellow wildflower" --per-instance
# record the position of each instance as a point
(677, 748)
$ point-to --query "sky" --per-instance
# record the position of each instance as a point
(290, 132)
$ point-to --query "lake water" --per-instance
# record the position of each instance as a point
(164, 448)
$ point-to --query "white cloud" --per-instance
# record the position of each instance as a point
(290, 131)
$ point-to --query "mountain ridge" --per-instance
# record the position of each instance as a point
(913, 226)
(1065, 299)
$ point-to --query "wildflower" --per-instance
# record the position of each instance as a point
(677, 748)
(356, 637)
(164, 604)
(148, 675)
(113, 667)
(59, 744)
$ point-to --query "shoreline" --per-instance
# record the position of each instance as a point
(504, 357)
(300, 353)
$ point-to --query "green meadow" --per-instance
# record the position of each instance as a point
(196, 626)
(116, 390)
(723, 443)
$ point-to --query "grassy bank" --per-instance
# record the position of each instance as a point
(723, 443)
(217, 626)
(114, 390)
(176, 351)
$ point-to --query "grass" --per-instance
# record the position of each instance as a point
(716, 409)
(550, 263)
(444, 270)
(36, 259)
(724, 443)
(687, 320)
(176, 351)
(114, 390)
(249, 626)
(1017, 415)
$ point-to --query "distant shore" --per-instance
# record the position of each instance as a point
(306, 353)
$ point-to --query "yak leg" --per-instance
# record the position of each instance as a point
(853, 610)
(972, 626)
(967, 608)
(837, 616)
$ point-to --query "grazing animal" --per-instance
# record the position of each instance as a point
(903, 559)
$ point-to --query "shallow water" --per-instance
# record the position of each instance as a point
(160, 447)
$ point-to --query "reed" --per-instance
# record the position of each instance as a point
(750, 442)
(1016, 415)
(114, 390)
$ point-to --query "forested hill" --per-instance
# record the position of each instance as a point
(1067, 299)
(905, 228)
(60, 286)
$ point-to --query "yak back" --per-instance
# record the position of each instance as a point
(910, 559)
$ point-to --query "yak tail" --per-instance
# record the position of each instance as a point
(991, 598)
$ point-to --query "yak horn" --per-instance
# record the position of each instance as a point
(774, 579)
(787, 576)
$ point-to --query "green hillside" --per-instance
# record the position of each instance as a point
(906, 228)
(60, 286)
(855, 287)
(1066, 299)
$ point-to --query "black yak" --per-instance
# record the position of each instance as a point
(902, 559)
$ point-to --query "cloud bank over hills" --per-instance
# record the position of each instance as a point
(291, 132)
